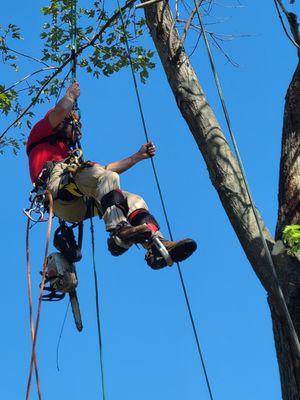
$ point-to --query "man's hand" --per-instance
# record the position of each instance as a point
(73, 92)
(147, 150)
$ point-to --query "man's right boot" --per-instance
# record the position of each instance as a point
(179, 250)
(125, 235)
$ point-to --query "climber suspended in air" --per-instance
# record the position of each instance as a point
(52, 160)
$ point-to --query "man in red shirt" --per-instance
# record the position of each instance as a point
(125, 214)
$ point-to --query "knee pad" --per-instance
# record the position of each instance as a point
(142, 216)
(114, 198)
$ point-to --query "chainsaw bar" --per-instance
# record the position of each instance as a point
(76, 310)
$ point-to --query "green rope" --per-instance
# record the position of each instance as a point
(165, 210)
(90, 201)
(291, 238)
(74, 25)
(97, 299)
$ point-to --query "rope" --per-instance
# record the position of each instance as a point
(60, 335)
(278, 291)
(30, 303)
(90, 203)
(74, 38)
(165, 209)
(37, 321)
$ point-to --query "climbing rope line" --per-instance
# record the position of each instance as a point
(62, 85)
(90, 202)
(30, 304)
(38, 314)
(278, 291)
(97, 299)
(60, 335)
(164, 206)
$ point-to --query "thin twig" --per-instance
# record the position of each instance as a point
(188, 23)
(59, 69)
(26, 77)
(112, 19)
(5, 48)
(222, 50)
(287, 14)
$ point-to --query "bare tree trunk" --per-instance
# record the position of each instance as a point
(289, 180)
(226, 177)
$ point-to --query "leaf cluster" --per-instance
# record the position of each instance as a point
(101, 57)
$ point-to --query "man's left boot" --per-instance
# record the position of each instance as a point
(179, 250)
(125, 235)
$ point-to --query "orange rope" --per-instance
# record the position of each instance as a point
(29, 290)
(37, 321)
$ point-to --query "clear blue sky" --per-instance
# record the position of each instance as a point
(149, 349)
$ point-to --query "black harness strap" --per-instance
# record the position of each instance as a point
(52, 140)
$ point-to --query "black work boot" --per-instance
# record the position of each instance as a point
(178, 250)
(125, 235)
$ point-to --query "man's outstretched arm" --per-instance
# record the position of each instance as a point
(147, 150)
(64, 106)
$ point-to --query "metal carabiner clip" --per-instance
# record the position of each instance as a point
(37, 207)
(29, 211)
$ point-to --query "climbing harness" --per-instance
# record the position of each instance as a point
(60, 134)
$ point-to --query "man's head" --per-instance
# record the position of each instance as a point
(69, 128)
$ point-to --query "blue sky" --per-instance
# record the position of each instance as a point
(149, 349)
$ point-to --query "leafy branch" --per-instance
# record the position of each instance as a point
(108, 54)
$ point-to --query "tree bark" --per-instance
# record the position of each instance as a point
(227, 179)
(289, 178)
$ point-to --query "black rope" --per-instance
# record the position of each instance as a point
(60, 335)
(164, 208)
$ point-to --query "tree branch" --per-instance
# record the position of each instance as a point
(5, 48)
(59, 69)
(188, 23)
(108, 23)
(27, 77)
(292, 20)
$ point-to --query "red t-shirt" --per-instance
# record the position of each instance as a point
(44, 152)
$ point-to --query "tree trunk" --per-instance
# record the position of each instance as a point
(289, 180)
(226, 177)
